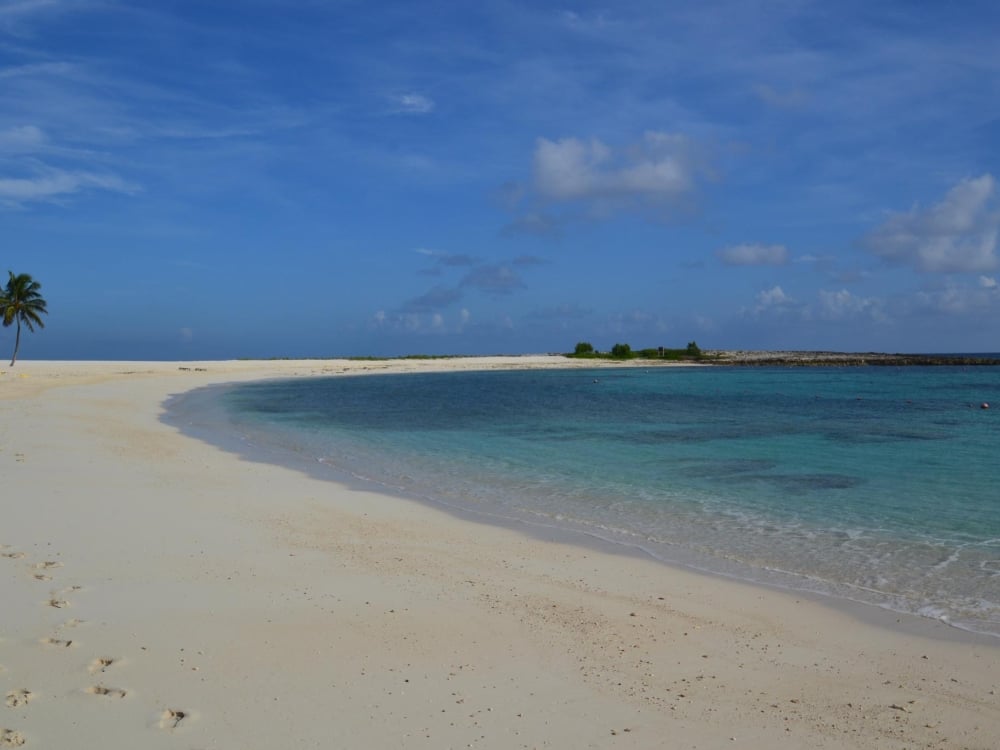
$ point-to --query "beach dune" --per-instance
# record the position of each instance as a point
(159, 592)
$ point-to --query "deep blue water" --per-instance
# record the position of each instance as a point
(880, 485)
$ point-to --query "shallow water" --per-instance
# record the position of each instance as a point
(878, 485)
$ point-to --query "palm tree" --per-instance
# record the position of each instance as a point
(20, 301)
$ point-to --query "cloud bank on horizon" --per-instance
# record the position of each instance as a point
(209, 179)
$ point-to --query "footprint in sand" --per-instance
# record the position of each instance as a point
(12, 555)
(48, 565)
(57, 601)
(11, 738)
(171, 717)
(101, 664)
(17, 698)
(109, 692)
(61, 643)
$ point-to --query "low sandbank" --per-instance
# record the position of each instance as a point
(158, 592)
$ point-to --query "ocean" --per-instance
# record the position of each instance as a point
(876, 485)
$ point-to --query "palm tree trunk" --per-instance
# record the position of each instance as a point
(17, 343)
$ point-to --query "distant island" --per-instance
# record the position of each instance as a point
(845, 359)
(693, 353)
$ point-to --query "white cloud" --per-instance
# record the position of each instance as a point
(657, 169)
(956, 299)
(413, 104)
(773, 297)
(959, 234)
(413, 322)
(987, 282)
(843, 305)
(568, 168)
(754, 255)
(774, 301)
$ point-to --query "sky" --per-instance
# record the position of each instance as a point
(211, 180)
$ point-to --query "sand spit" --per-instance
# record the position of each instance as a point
(843, 359)
(207, 602)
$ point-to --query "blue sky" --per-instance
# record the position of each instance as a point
(305, 178)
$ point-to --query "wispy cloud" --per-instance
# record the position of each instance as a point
(534, 223)
(566, 312)
(15, 10)
(636, 321)
(497, 279)
(494, 279)
(753, 255)
(432, 300)
(34, 169)
(412, 104)
(21, 139)
(453, 260)
(590, 23)
(528, 260)
(795, 98)
(50, 184)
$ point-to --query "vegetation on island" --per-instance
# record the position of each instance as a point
(21, 302)
(586, 350)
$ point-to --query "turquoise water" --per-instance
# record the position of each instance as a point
(878, 485)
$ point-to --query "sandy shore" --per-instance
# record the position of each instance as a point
(157, 592)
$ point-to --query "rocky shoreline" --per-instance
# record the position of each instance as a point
(842, 359)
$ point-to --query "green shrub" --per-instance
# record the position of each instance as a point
(621, 351)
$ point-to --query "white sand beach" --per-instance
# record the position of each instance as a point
(158, 592)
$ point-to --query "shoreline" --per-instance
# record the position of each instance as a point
(270, 608)
(216, 434)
